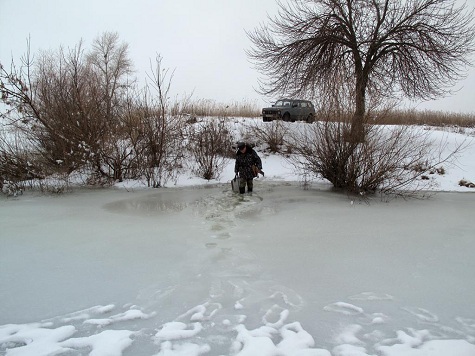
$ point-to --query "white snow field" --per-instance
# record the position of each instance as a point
(198, 270)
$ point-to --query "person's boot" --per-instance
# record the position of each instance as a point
(249, 190)
(242, 190)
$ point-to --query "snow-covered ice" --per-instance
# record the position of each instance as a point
(198, 270)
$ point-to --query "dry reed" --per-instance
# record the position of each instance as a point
(209, 107)
(251, 109)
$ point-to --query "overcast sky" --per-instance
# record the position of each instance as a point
(202, 40)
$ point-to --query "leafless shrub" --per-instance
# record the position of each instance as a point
(425, 167)
(210, 145)
(161, 136)
(69, 104)
(391, 160)
(81, 98)
(272, 134)
(22, 167)
(466, 183)
(18, 162)
(118, 160)
(53, 184)
(67, 125)
(246, 134)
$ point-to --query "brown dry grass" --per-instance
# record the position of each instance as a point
(431, 118)
(208, 107)
(252, 109)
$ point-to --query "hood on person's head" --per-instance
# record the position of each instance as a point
(241, 145)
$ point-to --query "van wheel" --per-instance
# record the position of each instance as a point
(310, 118)
(286, 117)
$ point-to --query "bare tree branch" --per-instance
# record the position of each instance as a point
(416, 47)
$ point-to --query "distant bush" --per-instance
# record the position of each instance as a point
(466, 183)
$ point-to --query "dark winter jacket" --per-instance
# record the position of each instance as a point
(245, 161)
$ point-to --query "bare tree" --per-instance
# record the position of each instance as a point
(112, 67)
(419, 48)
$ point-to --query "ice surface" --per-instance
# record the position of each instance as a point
(201, 271)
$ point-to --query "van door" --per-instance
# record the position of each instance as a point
(302, 110)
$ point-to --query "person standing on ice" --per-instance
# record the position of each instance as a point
(248, 165)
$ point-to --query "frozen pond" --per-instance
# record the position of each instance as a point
(194, 271)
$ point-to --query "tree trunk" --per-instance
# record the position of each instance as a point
(357, 127)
